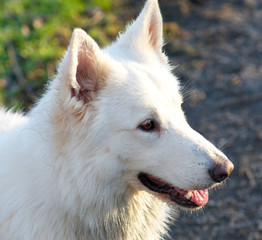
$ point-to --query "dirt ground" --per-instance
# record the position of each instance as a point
(218, 52)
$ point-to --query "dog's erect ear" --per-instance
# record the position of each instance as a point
(83, 67)
(147, 29)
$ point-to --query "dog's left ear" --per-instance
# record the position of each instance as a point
(147, 30)
(83, 67)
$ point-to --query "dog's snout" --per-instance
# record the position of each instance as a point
(221, 171)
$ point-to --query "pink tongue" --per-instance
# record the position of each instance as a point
(199, 197)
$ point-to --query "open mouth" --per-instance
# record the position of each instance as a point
(184, 198)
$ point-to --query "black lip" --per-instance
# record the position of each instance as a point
(165, 188)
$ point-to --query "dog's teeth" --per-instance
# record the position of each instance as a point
(188, 195)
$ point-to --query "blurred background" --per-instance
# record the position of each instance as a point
(217, 48)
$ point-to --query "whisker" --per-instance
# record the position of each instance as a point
(228, 143)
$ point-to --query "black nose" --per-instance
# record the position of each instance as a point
(221, 171)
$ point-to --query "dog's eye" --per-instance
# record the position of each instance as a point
(147, 125)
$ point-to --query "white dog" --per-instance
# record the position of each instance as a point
(107, 151)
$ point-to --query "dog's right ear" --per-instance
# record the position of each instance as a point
(82, 67)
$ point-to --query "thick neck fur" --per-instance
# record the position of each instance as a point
(84, 193)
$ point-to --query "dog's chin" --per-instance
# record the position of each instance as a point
(187, 199)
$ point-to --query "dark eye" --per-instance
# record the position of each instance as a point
(147, 125)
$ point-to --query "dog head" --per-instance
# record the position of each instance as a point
(124, 102)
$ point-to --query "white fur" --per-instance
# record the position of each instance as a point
(69, 169)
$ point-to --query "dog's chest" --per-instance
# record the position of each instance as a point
(144, 217)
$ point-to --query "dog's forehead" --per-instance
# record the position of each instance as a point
(137, 91)
(154, 82)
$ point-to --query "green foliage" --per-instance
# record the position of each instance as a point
(34, 36)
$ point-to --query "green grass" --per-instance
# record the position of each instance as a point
(34, 36)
